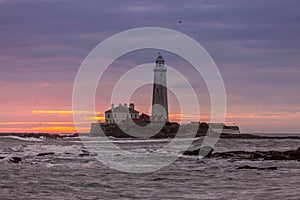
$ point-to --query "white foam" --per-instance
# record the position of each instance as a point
(32, 139)
(32, 150)
(116, 140)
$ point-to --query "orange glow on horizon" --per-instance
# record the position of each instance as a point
(37, 123)
(97, 118)
(58, 129)
(242, 119)
(55, 129)
(62, 112)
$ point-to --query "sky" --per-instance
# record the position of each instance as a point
(254, 43)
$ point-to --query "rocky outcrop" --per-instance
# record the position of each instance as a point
(255, 155)
(259, 168)
(84, 153)
(260, 155)
(250, 136)
(206, 151)
(169, 131)
(15, 159)
(38, 135)
(45, 154)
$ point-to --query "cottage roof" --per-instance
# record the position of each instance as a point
(122, 109)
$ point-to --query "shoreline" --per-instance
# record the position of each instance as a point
(222, 136)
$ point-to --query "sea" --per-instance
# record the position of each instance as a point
(66, 168)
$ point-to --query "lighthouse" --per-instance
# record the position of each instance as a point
(160, 110)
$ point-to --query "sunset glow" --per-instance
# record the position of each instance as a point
(41, 52)
(137, 99)
(62, 112)
(254, 118)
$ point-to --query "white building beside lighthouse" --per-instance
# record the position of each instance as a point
(121, 113)
(160, 110)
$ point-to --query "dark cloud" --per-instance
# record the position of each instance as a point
(232, 30)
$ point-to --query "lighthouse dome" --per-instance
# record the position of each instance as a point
(160, 59)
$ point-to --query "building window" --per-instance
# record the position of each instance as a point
(108, 115)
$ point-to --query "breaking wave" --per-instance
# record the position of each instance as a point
(31, 139)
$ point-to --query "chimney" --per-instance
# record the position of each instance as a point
(125, 105)
(131, 106)
(112, 106)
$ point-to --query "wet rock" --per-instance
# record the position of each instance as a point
(45, 154)
(260, 155)
(84, 154)
(85, 151)
(259, 168)
(205, 151)
(233, 154)
(275, 155)
(257, 155)
(15, 159)
(194, 152)
(295, 155)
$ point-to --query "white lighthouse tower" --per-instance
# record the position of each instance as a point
(160, 98)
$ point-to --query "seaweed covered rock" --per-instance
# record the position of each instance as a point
(255, 155)
(260, 155)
